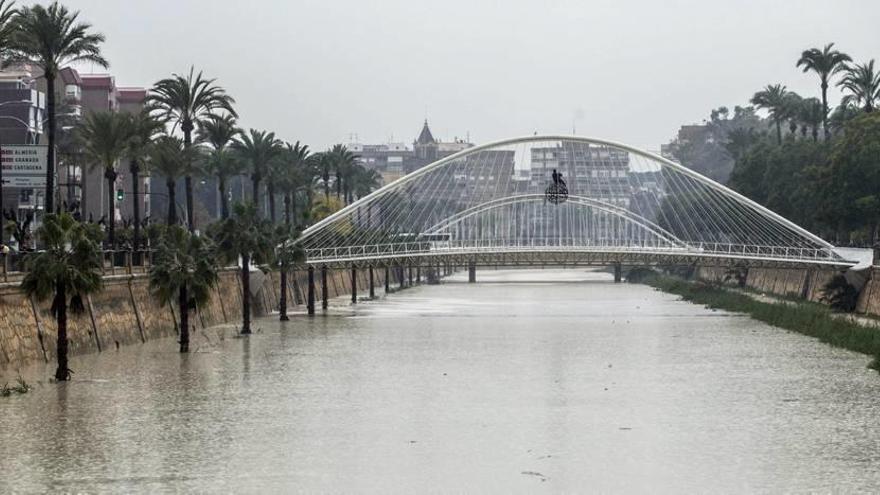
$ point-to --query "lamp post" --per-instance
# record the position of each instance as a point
(3, 181)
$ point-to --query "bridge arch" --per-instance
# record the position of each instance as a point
(502, 183)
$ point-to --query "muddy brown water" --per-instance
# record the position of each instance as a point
(532, 380)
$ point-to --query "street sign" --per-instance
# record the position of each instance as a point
(24, 166)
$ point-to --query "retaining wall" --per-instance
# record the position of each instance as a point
(125, 312)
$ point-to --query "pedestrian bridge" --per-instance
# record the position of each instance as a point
(562, 200)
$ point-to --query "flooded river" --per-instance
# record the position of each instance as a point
(539, 380)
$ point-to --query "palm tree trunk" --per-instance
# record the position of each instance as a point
(183, 302)
(245, 294)
(338, 185)
(111, 213)
(50, 152)
(135, 204)
(326, 178)
(270, 190)
(224, 201)
(172, 201)
(779, 133)
(190, 198)
(282, 305)
(255, 178)
(825, 109)
(62, 373)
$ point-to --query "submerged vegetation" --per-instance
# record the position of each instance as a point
(811, 319)
(21, 387)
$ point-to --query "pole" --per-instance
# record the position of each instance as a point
(310, 304)
(372, 284)
(354, 285)
(387, 280)
(324, 290)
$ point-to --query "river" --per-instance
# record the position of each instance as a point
(531, 380)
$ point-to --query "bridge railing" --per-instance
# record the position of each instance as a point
(564, 244)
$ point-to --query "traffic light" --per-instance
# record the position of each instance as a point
(120, 194)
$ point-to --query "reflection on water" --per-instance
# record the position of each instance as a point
(556, 380)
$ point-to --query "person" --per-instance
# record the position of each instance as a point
(555, 177)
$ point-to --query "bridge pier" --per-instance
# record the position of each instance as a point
(472, 272)
(410, 275)
(354, 285)
(418, 274)
(324, 291)
(400, 277)
(310, 303)
(387, 280)
(372, 284)
(618, 273)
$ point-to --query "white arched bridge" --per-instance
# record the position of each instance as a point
(563, 200)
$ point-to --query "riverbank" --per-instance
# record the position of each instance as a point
(125, 312)
(804, 317)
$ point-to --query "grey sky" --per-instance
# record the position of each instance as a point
(630, 71)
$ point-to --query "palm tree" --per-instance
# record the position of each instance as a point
(298, 177)
(168, 157)
(825, 63)
(863, 85)
(143, 128)
(105, 136)
(66, 270)
(221, 132)
(812, 115)
(842, 114)
(258, 149)
(246, 237)
(365, 180)
(343, 162)
(183, 269)
(772, 99)
(287, 255)
(793, 109)
(188, 102)
(51, 38)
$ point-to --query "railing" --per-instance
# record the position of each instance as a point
(113, 263)
(729, 250)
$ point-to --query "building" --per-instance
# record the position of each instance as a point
(81, 186)
(394, 160)
(22, 113)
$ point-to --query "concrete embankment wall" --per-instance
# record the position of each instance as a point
(125, 312)
(801, 282)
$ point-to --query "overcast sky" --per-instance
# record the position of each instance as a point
(632, 71)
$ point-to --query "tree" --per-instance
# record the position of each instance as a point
(246, 237)
(863, 86)
(287, 254)
(184, 269)
(168, 157)
(812, 116)
(221, 132)
(51, 38)
(343, 162)
(296, 176)
(105, 136)
(772, 99)
(258, 149)
(143, 128)
(793, 109)
(67, 270)
(364, 181)
(188, 101)
(825, 63)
